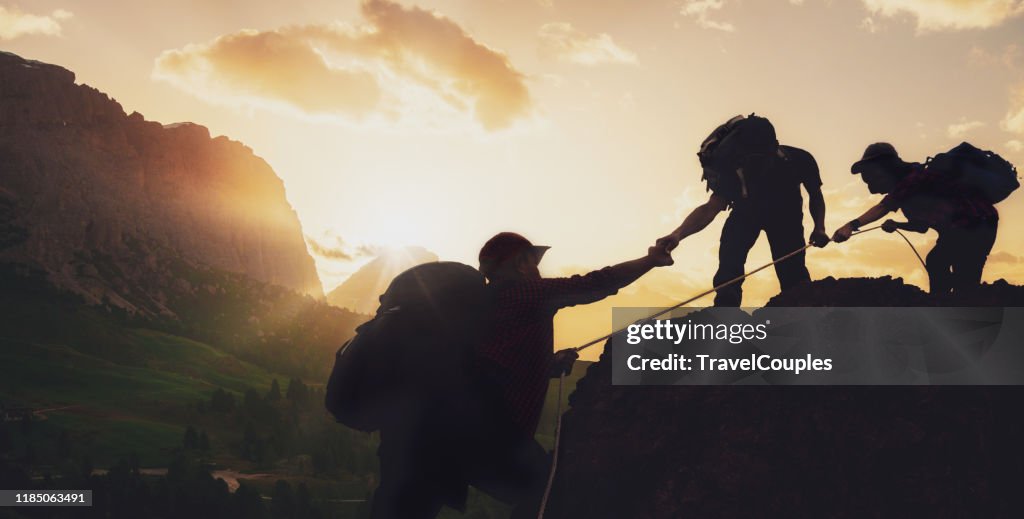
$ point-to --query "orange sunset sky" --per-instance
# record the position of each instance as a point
(440, 122)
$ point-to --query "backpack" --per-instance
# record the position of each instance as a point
(984, 172)
(416, 349)
(722, 152)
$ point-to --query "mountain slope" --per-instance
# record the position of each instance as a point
(159, 226)
(360, 292)
(81, 180)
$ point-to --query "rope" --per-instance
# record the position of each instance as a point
(919, 258)
(554, 451)
(561, 378)
(904, 236)
(694, 298)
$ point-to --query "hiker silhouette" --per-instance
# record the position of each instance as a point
(747, 171)
(481, 431)
(941, 195)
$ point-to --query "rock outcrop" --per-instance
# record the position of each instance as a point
(97, 198)
(757, 451)
(886, 291)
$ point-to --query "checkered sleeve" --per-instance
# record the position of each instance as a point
(917, 182)
(582, 289)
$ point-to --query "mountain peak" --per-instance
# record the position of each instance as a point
(361, 290)
(99, 198)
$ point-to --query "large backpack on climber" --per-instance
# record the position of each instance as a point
(416, 348)
(984, 172)
(723, 152)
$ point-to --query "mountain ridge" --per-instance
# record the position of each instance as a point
(79, 178)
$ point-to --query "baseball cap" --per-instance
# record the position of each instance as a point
(505, 246)
(876, 151)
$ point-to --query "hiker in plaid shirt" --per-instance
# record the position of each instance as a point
(514, 366)
(965, 220)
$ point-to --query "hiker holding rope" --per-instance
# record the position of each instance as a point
(748, 171)
(478, 429)
(516, 363)
(954, 194)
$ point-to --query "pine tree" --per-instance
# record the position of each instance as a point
(222, 401)
(275, 391)
(191, 439)
(296, 391)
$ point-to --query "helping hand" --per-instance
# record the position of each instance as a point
(890, 225)
(818, 237)
(564, 359)
(842, 234)
(668, 242)
(660, 256)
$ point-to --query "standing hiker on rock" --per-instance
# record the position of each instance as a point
(748, 171)
(954, 194)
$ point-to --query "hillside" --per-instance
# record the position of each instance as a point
(151, 277)
(161, 225)
(756, 451)
(97, 198)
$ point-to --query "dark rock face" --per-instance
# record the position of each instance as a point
(96, 198)
(667, 452)
(886, 291)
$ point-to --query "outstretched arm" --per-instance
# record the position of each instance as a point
(871, 215)
(599, 284)
(595, 286)
(695, 222)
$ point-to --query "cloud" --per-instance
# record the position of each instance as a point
(869, 25)
(1014, 120)
(401, 63)
(1015, 145)
(700, 9)
(274, 66)
(15, 23)
(336, 252)
(849, 199)
(564, 42)
(332, 247)
(1004, 257)
(1009, 57)
(962, 128)
(940, 15)
(878, 254)
(684, 202)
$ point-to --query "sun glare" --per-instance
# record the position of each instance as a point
(394, 233)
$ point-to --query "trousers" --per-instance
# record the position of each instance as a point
(423, 468)
(785, 232)
(958, 258)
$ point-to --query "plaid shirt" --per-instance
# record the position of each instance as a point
(939, 201)
(520, 353)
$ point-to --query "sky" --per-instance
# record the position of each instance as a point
(438, 123)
